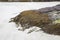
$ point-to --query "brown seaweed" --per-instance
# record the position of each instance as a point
(31, 18)
(52, 29)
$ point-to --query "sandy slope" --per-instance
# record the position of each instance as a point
(8, 31)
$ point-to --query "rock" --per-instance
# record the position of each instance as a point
(49, 9)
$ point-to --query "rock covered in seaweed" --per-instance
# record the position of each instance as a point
(43, 18)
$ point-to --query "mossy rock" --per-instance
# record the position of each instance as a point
(57, 21)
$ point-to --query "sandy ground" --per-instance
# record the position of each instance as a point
(8, 31)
